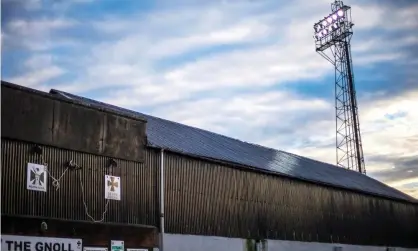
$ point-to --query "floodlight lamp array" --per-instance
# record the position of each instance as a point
(329, 24)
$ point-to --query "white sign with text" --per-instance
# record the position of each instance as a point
(112, 187)
(94, 249)
(36, 178)
(35, 243)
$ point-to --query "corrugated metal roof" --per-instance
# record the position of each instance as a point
(189, 140)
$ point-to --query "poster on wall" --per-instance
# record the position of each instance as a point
(136, 249)
(117, 246)
(36, 179)
(29, 243)
(112, 187)
(94, 249)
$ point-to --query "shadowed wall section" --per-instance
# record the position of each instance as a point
(138, 204)
(42, 129)
(38, 117)
(208, 198)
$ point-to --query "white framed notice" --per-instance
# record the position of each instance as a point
(36, 178)
(112, 187)
(29, 243)
(94, 249)
(117, 245)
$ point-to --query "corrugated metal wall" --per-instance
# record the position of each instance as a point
(204, 198)
(138, 204)
(209, 199)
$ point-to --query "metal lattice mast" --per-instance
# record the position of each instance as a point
(332, 39)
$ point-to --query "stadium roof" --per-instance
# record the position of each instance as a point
(196, 142)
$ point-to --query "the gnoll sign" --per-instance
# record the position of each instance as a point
(36, 178)
(33, 243)
(112, 187)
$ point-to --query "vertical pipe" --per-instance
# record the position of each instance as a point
(162, 201)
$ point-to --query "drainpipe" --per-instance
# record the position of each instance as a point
(162, 202)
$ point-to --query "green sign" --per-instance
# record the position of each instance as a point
(117, 246)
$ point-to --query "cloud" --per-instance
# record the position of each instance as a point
(36, 24)
(247, 69)
(239, 109)
(401, 173)
(389, 137)
(35, 35)
(40, 69)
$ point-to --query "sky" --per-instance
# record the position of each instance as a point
(242, 68)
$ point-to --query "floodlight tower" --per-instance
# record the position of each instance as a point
(332, 41)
